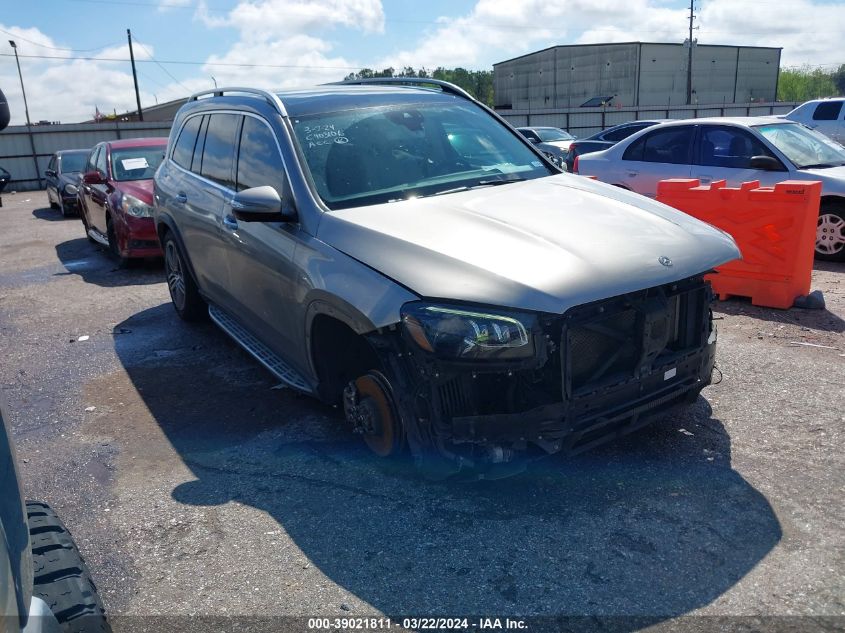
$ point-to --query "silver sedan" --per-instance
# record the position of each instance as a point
(735, 149)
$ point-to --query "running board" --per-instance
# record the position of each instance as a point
(98, 237)
(257, 349)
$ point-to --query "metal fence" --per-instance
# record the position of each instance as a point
(583, 122)
(26, 150)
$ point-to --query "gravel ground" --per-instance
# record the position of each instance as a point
(196, 489)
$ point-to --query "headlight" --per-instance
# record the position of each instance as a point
(70, 189)
(462, 334)
(136, 208)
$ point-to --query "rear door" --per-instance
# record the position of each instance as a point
(829, 119)
(657, 155)
(194, 187)
(724, 153)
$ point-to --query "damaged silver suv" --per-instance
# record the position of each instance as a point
(397, 247)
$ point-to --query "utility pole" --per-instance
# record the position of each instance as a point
(26, 110)
(135, 75)
(689, 56)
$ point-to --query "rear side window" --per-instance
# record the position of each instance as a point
(670, 145)
(218, 155)
(827, 111)
(259, 161)
(183, 151)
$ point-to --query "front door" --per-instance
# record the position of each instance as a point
(724, 153)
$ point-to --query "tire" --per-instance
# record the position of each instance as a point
(85, 224)
(830, 235)
(65, 213)
(184, 294)
(114, 249)
(61, 577)
(53, 205)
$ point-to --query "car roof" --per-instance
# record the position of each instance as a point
(342, 97)
(138, 142)
(743, 121)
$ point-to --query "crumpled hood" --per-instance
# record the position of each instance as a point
(546, 245)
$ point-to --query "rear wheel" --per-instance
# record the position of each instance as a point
(830, 234)
(184, 293)
(61, 577)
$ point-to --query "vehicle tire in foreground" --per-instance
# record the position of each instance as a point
(61, 577)
(184, 293)
(830, 236)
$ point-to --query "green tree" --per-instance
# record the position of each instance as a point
(804, 83)
(478, 83)
(839, 79)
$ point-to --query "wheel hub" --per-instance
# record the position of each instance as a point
(369, 408)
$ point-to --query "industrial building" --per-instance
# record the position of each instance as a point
(635, 74)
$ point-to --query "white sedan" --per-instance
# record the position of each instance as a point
(736, 149)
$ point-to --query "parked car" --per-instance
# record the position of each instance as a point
(551, 140)
(824, 115)
(116, 196)
(604, 139)
(737, 150)
(62, 176)
(403, 251)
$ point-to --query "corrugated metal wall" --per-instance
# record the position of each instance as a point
(16, 145)
(583, 122)
(637, 74)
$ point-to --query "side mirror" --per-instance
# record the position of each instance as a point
(50, 172)
(93, 178)
(766, 163)
(261, 204)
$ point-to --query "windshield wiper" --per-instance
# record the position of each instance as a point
(480, 183)
(822, 165)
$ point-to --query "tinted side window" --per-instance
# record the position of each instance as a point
(183, 151)
(622, 133)
(197, 161)
(827, 111)
(52, 163)
(531, 136)
(729, 147)
(669, 145)
(218, 155)
(102, 165)
(259, 161)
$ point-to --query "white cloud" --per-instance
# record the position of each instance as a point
(810, 31)
(166, 5)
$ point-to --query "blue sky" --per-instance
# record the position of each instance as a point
(281, 43)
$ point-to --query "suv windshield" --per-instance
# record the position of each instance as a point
(803, 146)
(549, 134)
(73, 162)
(384, 154)
(136, 163)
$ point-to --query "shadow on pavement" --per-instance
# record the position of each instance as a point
(51, 215)
(655, 525)
(93, 263)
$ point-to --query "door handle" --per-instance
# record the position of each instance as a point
(181, 197)
(230, 222)
(633, 174)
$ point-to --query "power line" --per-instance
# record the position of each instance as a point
(143, 48)
(17, 36)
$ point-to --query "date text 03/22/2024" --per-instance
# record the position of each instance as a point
(418, 624)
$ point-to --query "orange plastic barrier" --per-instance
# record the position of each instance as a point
(774, 227)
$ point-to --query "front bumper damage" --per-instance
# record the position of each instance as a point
(602, 370)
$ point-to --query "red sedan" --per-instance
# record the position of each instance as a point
(116, 196)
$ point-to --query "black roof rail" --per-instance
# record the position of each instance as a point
(445, 86)
(271, 98)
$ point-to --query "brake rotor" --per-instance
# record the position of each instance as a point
(376, 414)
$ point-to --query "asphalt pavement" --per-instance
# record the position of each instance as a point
(194, 487)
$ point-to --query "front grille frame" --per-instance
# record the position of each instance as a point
(671, 321)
